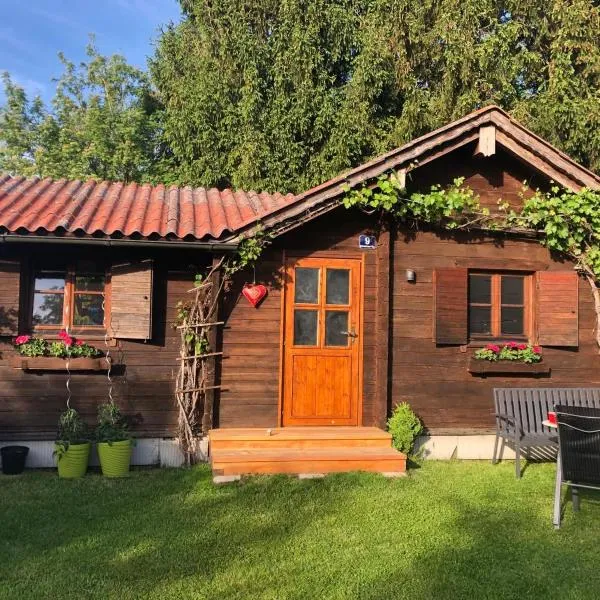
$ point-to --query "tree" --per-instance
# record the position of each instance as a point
(282, 95)
(103, 123)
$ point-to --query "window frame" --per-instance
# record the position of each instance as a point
(496, 306)
(71, 272)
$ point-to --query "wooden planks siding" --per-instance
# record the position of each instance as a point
(251, 337)
(450, 305)
(435, 380)
(30, 402)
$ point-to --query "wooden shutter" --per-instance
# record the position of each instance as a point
(557, 308)
(451, 306)
(131, 301)
(10, 284)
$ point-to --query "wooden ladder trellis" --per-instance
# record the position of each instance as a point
(196, 377)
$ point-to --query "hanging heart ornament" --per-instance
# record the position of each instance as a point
(254, 293)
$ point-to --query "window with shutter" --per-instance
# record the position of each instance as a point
(131, 301)
(10, 282)
(557, 308)
(451, 297)
(499, 306)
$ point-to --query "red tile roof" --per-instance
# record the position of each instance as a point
(131, 210)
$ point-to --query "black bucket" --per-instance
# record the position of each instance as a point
(13, 459)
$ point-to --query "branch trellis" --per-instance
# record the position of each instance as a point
(195, 381)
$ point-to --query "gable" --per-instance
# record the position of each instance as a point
(489, 134)
(500, 176)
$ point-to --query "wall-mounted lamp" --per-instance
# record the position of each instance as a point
(411, 276)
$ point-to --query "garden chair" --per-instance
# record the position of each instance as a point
(578, 464)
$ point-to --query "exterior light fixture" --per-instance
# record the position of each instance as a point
(411, 276)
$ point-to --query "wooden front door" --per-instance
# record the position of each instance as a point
(322, 341)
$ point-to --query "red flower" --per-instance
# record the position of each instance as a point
(22, 339)
(512, 345)
(67, 340)
(63, 334)
(522, 346)
(537, 349)
(79, 343)
(493, 347)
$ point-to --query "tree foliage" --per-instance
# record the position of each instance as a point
(103, 123)
(282, 95)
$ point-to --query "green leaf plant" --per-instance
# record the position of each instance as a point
(566, 222)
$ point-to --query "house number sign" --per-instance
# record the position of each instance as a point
(367, 241)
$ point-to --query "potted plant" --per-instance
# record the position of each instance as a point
(114, 441)
(72, 448)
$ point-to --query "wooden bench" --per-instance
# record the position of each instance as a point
(520, 413)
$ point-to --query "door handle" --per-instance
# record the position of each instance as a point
(350, 334)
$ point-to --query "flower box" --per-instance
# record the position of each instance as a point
(51, 363)
(506, 367)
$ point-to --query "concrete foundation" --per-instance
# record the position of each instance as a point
(465, 447)
(161, 452)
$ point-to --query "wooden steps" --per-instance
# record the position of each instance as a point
(303, 450)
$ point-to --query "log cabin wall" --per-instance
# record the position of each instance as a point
(434, 378)
(251, 365)
(31, 401)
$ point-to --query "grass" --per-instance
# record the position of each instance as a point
(451, 530)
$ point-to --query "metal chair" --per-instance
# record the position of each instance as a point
(578, 463)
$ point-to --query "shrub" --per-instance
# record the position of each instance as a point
(405, 427)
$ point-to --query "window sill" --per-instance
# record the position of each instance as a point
(51, 363)
(507, 367)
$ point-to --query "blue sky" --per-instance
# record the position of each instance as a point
(32, 32)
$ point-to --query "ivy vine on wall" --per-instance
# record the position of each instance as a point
(566, 222)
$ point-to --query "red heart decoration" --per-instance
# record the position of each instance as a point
(254, 293)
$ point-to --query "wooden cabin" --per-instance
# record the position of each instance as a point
(349, 327)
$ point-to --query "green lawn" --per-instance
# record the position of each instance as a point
(450, 530)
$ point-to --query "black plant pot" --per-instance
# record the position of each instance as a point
(13, 459)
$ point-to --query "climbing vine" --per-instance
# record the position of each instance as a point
(566, 222)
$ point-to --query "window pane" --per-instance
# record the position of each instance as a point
(512, 321)
(305, 327)
(307, 285)
(88, 310)
(480, 289)
(480, 320)
(89, 283)
(336, 321)
(50, 281)
(338, 286)
(47, 309)
(512, 290)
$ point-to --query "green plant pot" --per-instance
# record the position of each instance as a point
(115, 458)
(74, 462)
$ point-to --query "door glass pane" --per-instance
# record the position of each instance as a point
(306, 286)
(512, 320)
(88, 310)
(338, 286)
(512, 290)
(480, 320)
(336, 321)
(305, 327)
(480, 289)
